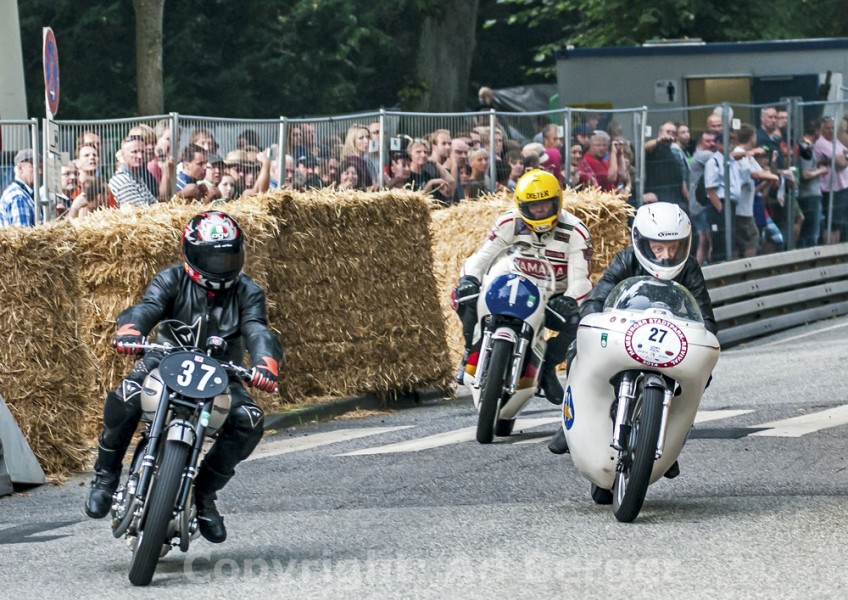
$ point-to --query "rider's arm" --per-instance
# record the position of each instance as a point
(259, 339)
(579, 263)
(616, 272)
(498, 238)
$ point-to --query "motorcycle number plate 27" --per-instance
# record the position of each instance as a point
(656, 343)
(193, 375)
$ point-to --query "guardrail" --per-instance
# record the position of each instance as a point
(762, 295)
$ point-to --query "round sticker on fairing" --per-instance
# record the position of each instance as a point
(656, 343)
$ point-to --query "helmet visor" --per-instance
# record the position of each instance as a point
(218, 259)
(664, 253)
(539, 210)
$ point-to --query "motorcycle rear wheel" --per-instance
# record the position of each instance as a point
(492, 390)
(631, 481)
(159, 512)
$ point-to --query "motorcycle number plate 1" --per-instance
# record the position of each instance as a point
(512, 295)
(656, 343)
(193, 375)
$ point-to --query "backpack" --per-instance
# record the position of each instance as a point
(701, 190)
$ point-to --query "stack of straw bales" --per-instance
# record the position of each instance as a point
(349, 280)
(357, 286)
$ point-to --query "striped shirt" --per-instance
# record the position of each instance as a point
(130, 189)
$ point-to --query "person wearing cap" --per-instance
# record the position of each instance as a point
(214, 170)
(17, 204)
(237, 162)
(308, 165)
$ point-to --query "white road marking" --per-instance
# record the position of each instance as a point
(457, 436)
(714, 415)
(798, 426)
(284, 446)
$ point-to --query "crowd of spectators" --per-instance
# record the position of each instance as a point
(763, 194)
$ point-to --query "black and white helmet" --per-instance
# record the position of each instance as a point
(661, 222)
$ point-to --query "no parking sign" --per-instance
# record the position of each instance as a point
(51, 72)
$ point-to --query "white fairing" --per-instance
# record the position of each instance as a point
(634, 336)
(528, 264)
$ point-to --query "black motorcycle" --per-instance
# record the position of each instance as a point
(185, 401)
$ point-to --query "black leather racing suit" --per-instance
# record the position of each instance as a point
(625, 264)
(237, 314)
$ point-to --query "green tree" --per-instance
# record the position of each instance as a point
(595, 23)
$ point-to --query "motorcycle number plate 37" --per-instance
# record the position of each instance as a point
(656, 343)
(193, 375)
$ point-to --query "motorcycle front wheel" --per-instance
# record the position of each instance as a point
(633, 476)
(492, 390)
(159, 512)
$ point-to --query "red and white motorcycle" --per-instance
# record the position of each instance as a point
(634, 388)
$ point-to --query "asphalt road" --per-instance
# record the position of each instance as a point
(402, 505)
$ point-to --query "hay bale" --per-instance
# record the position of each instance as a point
(45, 367)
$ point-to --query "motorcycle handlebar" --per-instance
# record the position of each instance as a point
(240, 372)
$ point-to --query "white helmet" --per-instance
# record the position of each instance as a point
(661, 222)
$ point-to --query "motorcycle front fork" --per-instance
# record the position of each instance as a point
(518, 354)
(626, 393)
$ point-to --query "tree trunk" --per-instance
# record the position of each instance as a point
(148, 56)
(448, 37)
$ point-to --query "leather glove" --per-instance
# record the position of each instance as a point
(467, 286)
(265, 376)
(563, 305)
(127, 334)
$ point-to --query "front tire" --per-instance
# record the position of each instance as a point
(159, 512)
(633, 477)
(492, 390)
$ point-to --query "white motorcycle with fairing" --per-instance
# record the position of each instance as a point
(504, 374)
(634, 387)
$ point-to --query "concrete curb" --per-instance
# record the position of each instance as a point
(335, 408)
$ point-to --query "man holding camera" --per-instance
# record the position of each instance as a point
(664, 172)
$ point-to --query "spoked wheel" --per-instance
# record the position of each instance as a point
(637, 460)
(600, 495)
(492, 390)
(159, 512)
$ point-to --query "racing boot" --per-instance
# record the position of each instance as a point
(460, 372)
(558, 443)
(107, 474)
(210, 521)
(673, 471)
(549, 382)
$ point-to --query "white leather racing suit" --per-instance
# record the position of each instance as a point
(568, 246)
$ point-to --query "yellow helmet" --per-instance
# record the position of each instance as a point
(538, 197)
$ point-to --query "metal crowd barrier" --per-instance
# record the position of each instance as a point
(762, 295)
